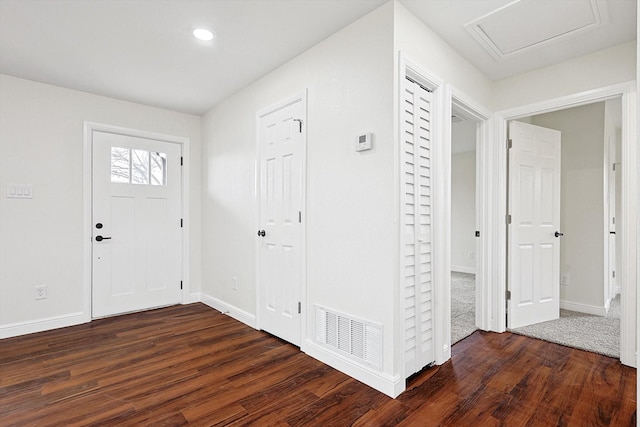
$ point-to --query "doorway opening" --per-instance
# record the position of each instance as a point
(590, 193)
(136, 228)
(464, 132)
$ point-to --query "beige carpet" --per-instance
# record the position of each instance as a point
(463, 305)
(584, 331)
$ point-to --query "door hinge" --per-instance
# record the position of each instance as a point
(299, 307)
(613, 274)
(508, 295)
(613, 220)
(181, 161)
(299, 123)
(180, 284)
(477, 233)
(509, 143)
(300, 217)
(508, 219)
(181, 222)
(614, 167)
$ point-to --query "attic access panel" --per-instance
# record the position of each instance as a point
(525, 24)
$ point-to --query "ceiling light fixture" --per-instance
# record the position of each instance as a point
(203, 34)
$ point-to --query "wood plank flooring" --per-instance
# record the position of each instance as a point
(190, 365)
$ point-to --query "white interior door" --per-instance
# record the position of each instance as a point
(280, 142)
(416, 228)
(534, 232)
(136, 224)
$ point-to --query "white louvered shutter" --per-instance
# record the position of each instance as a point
(416, 227)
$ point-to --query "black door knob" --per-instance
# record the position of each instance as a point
(261, 233)
(559, 234)
(100, 238)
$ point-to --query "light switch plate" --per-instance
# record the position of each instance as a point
(19, 191)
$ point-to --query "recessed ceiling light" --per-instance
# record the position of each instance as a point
(203, 34)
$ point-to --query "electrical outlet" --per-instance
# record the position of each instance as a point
(564, 279)
(41, 292)
(234, 281)
(472, 255)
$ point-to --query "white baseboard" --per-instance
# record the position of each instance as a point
(391, 386)
(583, 308)
(235, 312)
(32, 326)
(191, 298)
(460, 269)
(40, 325)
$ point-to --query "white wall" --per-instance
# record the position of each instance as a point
(351, 253)
(463, 211)
(420, 46)
(596, 70)
(582, 209)
(424, 48)
(463, 196)
(41, 143)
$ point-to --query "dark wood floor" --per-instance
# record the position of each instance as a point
(192, 365)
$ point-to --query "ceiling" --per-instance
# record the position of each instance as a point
(519, 21)
(143, 50)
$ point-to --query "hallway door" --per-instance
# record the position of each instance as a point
(281, 139)
(534, 226)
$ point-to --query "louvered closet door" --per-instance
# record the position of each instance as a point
(416, 228)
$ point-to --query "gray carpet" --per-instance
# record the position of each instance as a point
(463, 305)
(584, 331)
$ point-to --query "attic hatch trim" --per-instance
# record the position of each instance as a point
(487, 28)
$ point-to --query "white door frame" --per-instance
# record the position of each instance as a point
(627, 91)
(481, 115)
(87, 231)
(304, 324)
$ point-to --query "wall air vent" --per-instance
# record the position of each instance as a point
(357, 339)
(525, 24)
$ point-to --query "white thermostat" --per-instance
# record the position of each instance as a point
(363, 142)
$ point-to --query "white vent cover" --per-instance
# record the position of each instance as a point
(358, 339)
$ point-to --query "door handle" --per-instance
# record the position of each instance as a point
(100, 238)
(261, 233)
(559, 234)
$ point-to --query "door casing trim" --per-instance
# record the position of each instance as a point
(627, 92)
(87, 192)
(480, 115)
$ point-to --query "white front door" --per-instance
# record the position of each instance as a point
(136, 224)
(280, 142)
(534, 232)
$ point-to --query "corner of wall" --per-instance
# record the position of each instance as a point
(392, 386)
(240, 315)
